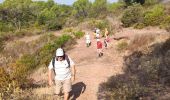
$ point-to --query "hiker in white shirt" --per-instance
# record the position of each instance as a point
(64, 69)
(88, 42)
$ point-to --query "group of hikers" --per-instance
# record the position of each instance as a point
(99, 44)
(63, 66)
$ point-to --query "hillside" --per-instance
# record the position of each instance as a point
(91, 70)
(135, 66)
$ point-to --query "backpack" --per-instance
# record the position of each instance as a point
(65, 57)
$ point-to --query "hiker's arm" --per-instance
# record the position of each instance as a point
(50, 69)
(50, 77)
(73, 72)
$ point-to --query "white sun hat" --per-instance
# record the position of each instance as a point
(59, 52)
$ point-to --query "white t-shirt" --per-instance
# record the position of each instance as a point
(98, 31)
(87, 36)
(62, 69)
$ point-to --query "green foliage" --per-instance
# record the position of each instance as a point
(81, 8)
(99, 8)
(22, 67)
(154, 16)
(101, 24)
(150, 2)
(166, 23)
(4, 80)
(1, 44)
(78, 34)
(115, 8)
(8, 87)
(132, 15)
(122, 45)
(47, 52)
(139, 25)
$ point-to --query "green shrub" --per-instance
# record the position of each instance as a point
(47, 52)
(139, 25)
(78, 34)
(122, 45)
(4, 82)
(8, 87)
(6, 27)
(68, 30)
(150, 2)
(23, 67)
(115, 8)
(154, 16)
(133, 14)
(166, 23)
(1, 44)
(101, 24)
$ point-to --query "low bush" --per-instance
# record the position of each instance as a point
(46, 53)
(139, 25)
(122, 45)
(1, 44)
(133, 14)
(166, 23)
(101, 24)
(22, 67)
(115, 8)
(78, 34)
(154, 16)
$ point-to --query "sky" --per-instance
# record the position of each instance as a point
(67, 2)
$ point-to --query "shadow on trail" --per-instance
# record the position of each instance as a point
(77, 90)
(146, 76)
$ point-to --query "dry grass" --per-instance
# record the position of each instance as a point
(140, 41)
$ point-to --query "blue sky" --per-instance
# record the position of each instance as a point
(68, 2)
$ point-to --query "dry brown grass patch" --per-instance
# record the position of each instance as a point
(140, 41)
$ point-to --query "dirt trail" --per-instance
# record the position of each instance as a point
(92, 70)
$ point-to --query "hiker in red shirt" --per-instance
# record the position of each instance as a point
(99, 48)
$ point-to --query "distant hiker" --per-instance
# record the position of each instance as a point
(97, 33)
(64, 69)
(105, 43)
(99, 48)
(88, 42)
(106, 33)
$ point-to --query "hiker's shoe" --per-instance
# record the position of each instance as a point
(101, 54)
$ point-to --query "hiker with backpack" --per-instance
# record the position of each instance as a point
(99, 48)
(64, 70)
(97, 33)
(87, 37)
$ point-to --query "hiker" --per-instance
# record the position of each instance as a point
(97, 33)
(64, 70)
(88, 42)
(99, 48)
(105, 43)
(106, 33)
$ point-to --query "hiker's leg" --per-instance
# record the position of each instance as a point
(58, 87)
(66, 95)
(67, 88)
(101, 52)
